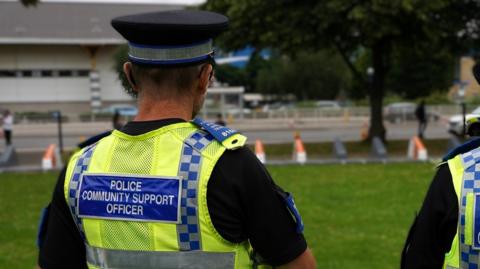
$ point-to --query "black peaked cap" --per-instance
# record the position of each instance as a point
(179, 27)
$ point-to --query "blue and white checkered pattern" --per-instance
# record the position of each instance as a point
(73, 187)
(469, 257)
(188, 230)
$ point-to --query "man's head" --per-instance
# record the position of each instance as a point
(170, 53)
(170, 82)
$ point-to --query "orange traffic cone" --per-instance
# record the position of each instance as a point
(48, 160)
(417, 150)
(299, 153)
(259, 151)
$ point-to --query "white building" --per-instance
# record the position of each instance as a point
(59, 55)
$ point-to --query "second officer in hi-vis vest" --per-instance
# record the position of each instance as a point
(446, 232)
(170, 190)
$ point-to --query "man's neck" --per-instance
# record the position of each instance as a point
(151, 109)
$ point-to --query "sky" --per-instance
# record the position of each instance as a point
(164, 2)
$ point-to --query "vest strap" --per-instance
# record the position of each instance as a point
(123, 259)
(73, 187)
(469, 257)
(188, 231)
(229, 138)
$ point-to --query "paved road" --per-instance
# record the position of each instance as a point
(36, 137)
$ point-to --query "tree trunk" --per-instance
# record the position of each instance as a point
(377, 90)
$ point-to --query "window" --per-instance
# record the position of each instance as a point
(65, 73)
(83, 73)
(7, 73)
(45, 73)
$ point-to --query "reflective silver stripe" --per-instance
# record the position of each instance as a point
(123, 259)
(169, 53)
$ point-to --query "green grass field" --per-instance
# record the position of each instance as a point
(356, 216)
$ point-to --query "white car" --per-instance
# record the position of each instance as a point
(455, 123)
(405, 111)
(123, 110)
(328, 104)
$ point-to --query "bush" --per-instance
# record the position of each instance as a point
(37, 117)
(89, 116)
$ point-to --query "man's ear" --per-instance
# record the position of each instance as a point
(127, 70)
(205, 77)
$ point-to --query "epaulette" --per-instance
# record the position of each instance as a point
(465, 147)
(92, 140)
(231, 139)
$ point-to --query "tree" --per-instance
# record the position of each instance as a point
(29, 2)
(231, 75)
(348, 26)
(320, 75)
(416, 73)
(120, 57)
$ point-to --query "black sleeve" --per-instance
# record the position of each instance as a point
(243, 204)
(62, 246)
(432, 233)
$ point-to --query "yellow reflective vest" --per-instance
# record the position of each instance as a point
(465, 170)
(111, 186)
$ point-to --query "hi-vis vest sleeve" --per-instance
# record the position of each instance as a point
(452, 258)
(465, 249)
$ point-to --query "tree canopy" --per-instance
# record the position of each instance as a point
(29, 2)
(320, 75)
(349, 26)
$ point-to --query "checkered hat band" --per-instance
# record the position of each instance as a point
(166, 54)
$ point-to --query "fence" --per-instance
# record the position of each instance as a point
(442, 111)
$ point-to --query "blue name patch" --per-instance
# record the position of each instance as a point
(221, 133)
(129, 197)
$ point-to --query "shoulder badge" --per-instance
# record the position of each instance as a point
(229, 138)
(466, 147)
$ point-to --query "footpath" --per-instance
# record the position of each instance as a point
(92, 128)
(31, 140)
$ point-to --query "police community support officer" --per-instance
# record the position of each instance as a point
(165, 191)
(446, 232)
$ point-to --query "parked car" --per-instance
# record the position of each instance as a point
(455, 123)
(123, 110)
(328, 105)
(405, 111)
(237, 111)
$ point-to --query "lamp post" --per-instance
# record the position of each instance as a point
(370, 73)
(58, 116)
(461, 100)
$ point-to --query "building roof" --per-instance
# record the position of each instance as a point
(84, 23)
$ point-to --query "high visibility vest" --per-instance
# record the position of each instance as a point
(141, 201)
(465, 250)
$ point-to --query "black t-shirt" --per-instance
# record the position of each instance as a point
(432, 233)
(242, 199)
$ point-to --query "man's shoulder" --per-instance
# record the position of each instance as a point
(229, 138)
(241, 162)
(462, 149)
